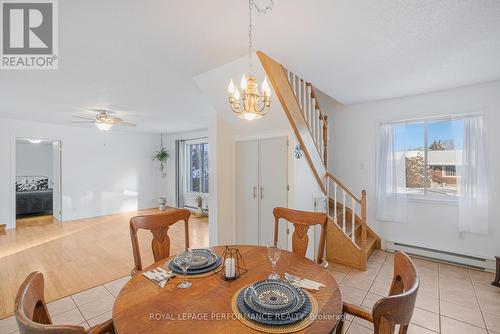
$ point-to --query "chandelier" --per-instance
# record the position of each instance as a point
(251, 104)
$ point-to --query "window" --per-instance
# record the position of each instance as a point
(450, 171)
(197, 163)
(432, 150)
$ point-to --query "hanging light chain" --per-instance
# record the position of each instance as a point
(265, 10)
(250, 45)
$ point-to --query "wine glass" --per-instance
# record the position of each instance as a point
(273, 253)
(184, 260)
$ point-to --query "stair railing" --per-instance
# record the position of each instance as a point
(338, 193)
(299, 101)
(316, 121)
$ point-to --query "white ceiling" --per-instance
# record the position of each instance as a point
(142, 56)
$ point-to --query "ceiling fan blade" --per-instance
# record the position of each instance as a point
(87, 118)
(125, 124)
(117, 119)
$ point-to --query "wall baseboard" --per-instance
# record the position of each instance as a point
(469, 261)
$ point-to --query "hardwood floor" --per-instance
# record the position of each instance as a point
(80, 254)
(35, 220)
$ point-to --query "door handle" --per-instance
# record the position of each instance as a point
(261, 192)
(254, 192)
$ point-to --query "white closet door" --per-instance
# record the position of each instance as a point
(273, 172)
(247, 200)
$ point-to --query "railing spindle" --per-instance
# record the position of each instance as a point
(299, 92)
(309, 120)
(335, 202)
(297, 80)
(303, 94)
(314, 124)
(308, 104)
(343, 211)
(363, 221)
(353, 214)
(318, 120)
(320, 132)
(325, 139)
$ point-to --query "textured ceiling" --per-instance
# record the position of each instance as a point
(141, 56)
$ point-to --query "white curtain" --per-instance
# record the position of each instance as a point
(473, 191)
(391, 177)
(180, 171)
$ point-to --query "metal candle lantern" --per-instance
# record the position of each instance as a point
(233, 265)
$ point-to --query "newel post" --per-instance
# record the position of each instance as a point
(363, 220)
(325, 139)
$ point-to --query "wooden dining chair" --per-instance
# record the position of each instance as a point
(158, 224)
(397, 308)
(33, 317)
(301, 221)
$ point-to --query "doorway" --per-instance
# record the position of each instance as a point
(192, 175)
(37, 181)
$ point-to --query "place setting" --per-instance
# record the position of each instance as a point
(276, 304)
(193, 263)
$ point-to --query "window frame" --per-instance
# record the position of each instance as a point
(426, 195)
(188, 170)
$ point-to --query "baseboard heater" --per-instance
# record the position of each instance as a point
(475, 262)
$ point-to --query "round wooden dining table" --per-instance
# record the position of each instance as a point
(205, 307)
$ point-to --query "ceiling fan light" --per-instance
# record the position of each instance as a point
(103, 126)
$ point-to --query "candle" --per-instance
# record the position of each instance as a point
(230, 270)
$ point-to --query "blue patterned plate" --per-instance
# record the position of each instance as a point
(296, 304)
(276, 319)
(273, 294)
(201, 258)
(177, 270)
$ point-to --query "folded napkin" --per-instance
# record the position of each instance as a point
(303, 282)
(159, 276)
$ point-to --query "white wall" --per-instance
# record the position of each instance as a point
(430, 224)
(34, 159)
(102, 172)
(305, 192)
(169, 181)
(221, 182)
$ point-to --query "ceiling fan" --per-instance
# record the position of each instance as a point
(103, 120)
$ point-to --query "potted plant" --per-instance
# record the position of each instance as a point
(161, 156)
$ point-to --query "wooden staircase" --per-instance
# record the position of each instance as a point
(349, 240)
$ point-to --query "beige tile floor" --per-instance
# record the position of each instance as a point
(87, 308)
(451, 299)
